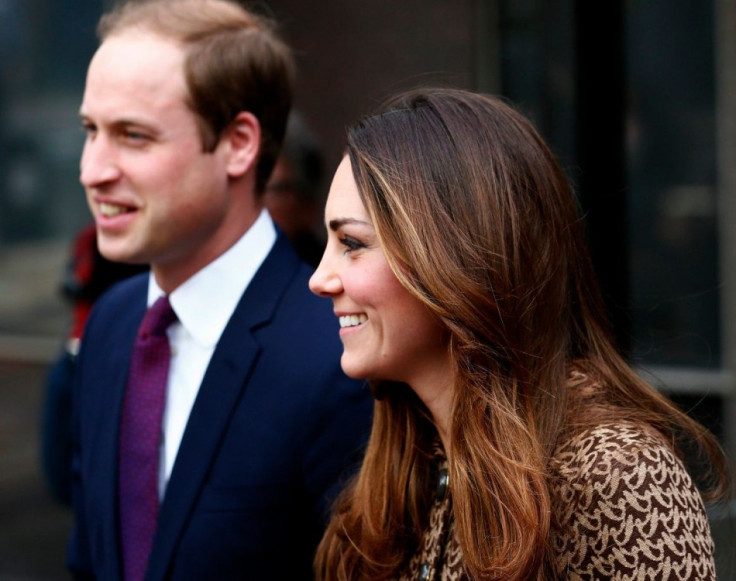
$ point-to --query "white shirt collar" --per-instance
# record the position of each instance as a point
(205, 302)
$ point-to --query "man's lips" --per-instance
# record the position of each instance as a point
(109, 210)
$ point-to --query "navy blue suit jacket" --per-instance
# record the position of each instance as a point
(273, 432)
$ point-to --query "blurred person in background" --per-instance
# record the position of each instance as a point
(293, 195)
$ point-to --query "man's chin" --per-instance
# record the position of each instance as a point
(114, 253)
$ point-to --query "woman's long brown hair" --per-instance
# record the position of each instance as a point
(479, 222)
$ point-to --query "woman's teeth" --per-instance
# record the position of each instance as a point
(352, 320)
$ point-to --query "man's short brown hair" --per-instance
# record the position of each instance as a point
(234, 62)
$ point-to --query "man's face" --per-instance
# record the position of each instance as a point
(156, 196)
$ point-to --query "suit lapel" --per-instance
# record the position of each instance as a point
(114, 349)
(222, 387)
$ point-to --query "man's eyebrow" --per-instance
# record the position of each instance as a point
(337, 223)
(117, 123)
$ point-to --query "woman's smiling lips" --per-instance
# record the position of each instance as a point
(347, 321)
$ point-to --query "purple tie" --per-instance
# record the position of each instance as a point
(140, 429)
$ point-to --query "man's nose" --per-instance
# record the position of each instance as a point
(98, 165)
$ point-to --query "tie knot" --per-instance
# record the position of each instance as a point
(158, 318)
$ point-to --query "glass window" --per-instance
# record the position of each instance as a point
(671, 159)
(658, 166)
(45, 46)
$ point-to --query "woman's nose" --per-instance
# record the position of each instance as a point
(325, 282)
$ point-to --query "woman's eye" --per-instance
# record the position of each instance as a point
(351, 244)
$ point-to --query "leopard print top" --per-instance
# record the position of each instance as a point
(626, 507)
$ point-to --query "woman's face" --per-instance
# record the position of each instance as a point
(386, 332)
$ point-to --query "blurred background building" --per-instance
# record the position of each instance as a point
(637, 98)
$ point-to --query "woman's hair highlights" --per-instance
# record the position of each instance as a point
(479, 222)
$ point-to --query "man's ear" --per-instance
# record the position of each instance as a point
(243, 140)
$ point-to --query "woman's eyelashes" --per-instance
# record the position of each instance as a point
(350, 244)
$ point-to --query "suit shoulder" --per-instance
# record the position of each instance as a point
(124, 291)
(299, 296)
(118, 302)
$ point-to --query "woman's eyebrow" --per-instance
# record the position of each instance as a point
(337, 223)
